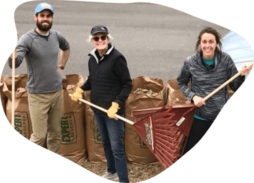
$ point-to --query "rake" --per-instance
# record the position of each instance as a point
(165, 129)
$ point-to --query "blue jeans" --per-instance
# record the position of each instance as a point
(112, 133)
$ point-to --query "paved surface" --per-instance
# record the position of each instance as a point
(154, 39)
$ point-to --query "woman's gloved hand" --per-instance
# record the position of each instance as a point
(78, 94)
(113, 110)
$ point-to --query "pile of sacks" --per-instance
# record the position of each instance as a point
(80, 137)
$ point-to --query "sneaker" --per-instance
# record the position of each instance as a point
(110, 176)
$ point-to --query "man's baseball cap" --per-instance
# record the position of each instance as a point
(99, 29)
(43, 6)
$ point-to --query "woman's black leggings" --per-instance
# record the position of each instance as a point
(198, 129)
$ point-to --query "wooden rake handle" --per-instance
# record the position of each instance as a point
(227, 82)
(104, 110)
(13, 89)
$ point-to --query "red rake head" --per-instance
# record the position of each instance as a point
(164, 131)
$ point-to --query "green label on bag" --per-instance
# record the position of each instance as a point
(68, 129)
(97, 136)
(21, 123)
(142, 143)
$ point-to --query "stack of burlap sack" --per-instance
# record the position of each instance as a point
(73, 145)
(80, 137)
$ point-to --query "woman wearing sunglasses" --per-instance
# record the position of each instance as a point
(207, 69)
(110, 84)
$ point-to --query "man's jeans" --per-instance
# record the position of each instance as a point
(112, 133)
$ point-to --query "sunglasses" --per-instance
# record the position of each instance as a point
(103, 38)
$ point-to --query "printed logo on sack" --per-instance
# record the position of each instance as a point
(68, 129)
(21, 123)
(97, 137)
(142, 143)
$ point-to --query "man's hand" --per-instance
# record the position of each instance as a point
(61, 68)
(113, 110)
(64, 55)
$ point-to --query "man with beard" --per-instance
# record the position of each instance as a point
(40, 48)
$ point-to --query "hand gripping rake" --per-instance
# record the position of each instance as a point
(104, 110)
(164, 129)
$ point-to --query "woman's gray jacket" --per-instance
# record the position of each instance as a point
(205, 80)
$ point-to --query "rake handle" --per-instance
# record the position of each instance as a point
(13, 88)
(250, 65)
(104, 110)
(221, 86)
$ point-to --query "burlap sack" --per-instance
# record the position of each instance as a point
(93, 138)
(146, 93)
(73, 144)
(3, 97)
(230, 91)
(22, 121)
(175, 95)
